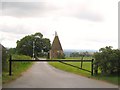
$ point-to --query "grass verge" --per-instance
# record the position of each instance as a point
(17, 68)
(86, 65)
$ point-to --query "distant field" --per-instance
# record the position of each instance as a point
(86, 65)
(79, 58)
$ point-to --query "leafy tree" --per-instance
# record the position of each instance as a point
(41, 45)
(12, 51)
(107, 60)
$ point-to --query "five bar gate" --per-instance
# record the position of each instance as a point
(62, 61)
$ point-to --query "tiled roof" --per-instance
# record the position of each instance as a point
(56, 45)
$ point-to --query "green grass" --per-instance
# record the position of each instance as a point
(67, 68)
(0, 80)
(111, 78)
(79, 58)
(86, 65)
(17, 69)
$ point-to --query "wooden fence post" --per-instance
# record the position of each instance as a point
(10, 66)
(82, 61)
(92, 67)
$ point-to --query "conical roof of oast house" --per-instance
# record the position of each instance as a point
(56, 45)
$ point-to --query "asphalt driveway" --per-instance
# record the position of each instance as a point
(42, 75)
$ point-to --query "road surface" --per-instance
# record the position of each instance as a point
(42, 75)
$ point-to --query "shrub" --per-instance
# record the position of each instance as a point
(107, 60)
(4, 59)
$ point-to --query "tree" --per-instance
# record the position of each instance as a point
(12, 51)
(80, 54)
(75, 54)
(107, 60)
(41, 45)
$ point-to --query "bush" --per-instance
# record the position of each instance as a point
(17, 68)
(107, 60)
(4, 59)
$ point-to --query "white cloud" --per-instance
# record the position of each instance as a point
(81, 24)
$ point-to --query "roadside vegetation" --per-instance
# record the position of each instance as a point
(86, 65)
(106, 65)
(106, 60)
(17, 68)
(23, 51)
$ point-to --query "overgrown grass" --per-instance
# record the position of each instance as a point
(17, 68)
(86, 65)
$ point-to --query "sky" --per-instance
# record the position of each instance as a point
(80, 24)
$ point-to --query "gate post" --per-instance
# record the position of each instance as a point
(10, 66)
(92, 67)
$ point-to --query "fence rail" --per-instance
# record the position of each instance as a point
(57, 60)
(51, 60)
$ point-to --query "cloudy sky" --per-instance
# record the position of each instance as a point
(80, 24)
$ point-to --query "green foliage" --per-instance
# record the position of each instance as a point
(41, 45)
(107, 60)
(86, 65)
(12, 51)
(17, 68)
(21, 57)
(75, 54)
(80, 54)
(4, 59)
(79, 58)
(38, 34)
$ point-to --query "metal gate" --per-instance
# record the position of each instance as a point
(58, 60)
